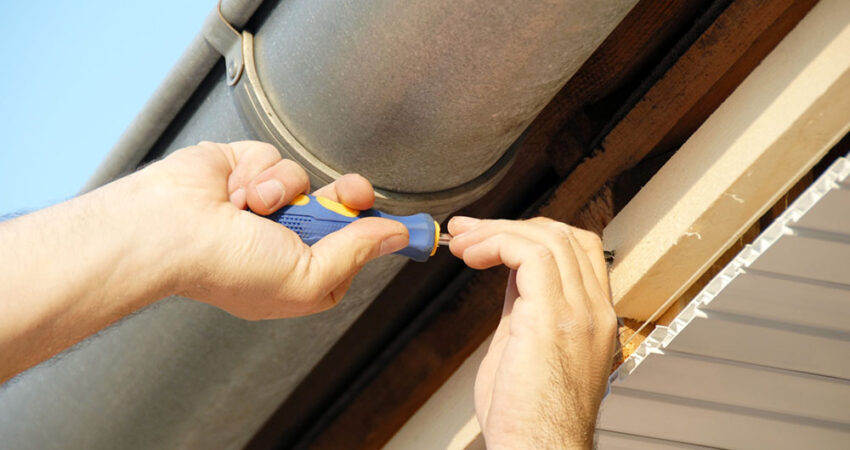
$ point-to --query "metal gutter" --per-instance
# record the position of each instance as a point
(182, 374)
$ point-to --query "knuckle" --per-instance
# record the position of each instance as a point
(554, 226)
(559, 232)
(501, 223)
(542, 252)
(207, 145)
(566, 229)
(295, 169)
(563, 229)
(541, 219)
(359, 178)
(289, 166)
(544, 222)
(588, 238)
(267, 148)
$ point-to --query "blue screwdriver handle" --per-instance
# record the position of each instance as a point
(313, 218)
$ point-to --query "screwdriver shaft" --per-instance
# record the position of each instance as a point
(445, 238)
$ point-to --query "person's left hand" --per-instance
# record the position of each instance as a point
(545, 372)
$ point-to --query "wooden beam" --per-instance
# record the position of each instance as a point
(698, 72)
(769, 132)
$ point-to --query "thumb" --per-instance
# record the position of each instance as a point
(341, 254)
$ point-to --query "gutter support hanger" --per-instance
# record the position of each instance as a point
(256, 108)
(227, 41)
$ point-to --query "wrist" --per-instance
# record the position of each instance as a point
(144, 260)
(538, 442)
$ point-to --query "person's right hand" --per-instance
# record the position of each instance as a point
(194, 203)
(178, 226)
(544, 375)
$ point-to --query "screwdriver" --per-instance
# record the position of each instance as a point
(313, 218)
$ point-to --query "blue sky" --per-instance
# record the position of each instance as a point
(74, 75)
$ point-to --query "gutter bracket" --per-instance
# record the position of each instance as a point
(227, 41)
(259, 114)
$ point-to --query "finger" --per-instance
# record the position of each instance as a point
(577, 291)
(537, 271)
(596, 295)
(604, 322)
(468, 231)
(546, 232)
(592, 245)
(565, 238)
(351, 190)
(461, 224)
(341, 254)
(276, 186)
(328, 191)
(511, 294)
(248, 159)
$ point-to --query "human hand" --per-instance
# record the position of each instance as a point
(250, 266)
(544, 375)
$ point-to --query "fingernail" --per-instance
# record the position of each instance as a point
(393, 243)
(270, 192)
(464, 222)
(239, 197)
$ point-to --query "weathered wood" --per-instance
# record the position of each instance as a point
(617, 68)
(684, 86)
